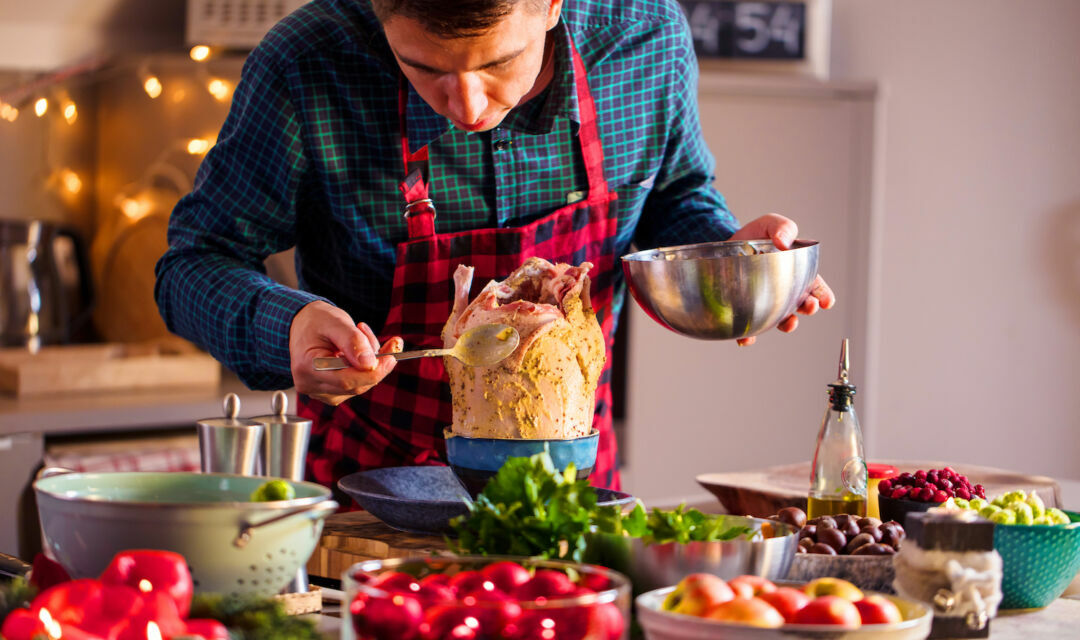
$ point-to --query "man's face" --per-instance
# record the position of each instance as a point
(476, 80)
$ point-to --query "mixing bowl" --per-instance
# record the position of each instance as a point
(651, 566)
(722, 290)
(231, 545)
(1038, 561)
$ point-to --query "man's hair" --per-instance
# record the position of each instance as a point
(454, 18)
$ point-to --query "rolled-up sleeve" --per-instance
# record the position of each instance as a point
(212, 287)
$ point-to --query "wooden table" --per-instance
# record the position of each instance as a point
(355, 536)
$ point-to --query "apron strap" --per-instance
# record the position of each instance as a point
(589, 135)
(419, 209)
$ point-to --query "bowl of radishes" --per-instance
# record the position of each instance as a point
(923, 490)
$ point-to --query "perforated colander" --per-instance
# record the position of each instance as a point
(232, 545)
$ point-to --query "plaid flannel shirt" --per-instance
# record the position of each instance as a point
(309, 157)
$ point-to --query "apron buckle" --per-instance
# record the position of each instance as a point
(420, 205)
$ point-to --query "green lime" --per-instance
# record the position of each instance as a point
(273, 490)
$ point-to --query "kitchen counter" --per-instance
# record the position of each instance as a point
(81, 413)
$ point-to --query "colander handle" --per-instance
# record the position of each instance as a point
(315, 511)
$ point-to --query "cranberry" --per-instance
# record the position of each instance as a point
(904, 478)
(980, 491)
(932, 477)
(884, 486)
(920, 475)
(949, 470)
(944, 484)
(899, 493)
(963, 494)
(940, 496)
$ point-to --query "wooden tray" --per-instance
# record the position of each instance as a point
(106, 367)
(354, 536)
(761, 493)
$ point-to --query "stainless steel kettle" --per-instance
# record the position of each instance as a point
(45, 293)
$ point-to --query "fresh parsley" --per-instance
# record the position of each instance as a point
(530, 509)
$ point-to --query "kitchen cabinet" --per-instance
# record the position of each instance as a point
(805, 149)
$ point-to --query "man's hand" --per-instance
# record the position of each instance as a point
(322, 330)
(783, 231)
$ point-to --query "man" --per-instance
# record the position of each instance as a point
(566, 129)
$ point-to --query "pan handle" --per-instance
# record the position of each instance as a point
(12, 567)
(315, 511)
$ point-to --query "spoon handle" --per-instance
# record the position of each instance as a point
(336, 364)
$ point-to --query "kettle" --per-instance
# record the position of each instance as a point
(45, 293)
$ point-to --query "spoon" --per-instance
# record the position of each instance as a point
(481, 346)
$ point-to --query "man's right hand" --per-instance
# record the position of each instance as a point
(322, 330)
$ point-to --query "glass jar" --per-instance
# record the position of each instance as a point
(481, 598)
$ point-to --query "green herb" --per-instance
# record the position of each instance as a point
(252, 618)
(16, 594)
(529, 509)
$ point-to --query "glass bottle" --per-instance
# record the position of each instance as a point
(838, 474)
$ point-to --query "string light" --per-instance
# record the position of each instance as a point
(219, 89)
(198, 146)
(200, 52)
(8, 112)
(71, 181)
(41, 107)
(152, 86)
(71, 113)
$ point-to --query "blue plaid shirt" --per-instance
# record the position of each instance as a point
(309, 157)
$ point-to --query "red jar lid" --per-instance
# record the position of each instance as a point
(882, 471)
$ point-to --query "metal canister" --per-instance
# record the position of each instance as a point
(283, 455)
(229, 444)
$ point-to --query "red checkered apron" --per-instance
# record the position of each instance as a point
(400, 421)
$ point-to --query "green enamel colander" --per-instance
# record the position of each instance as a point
(1038, 561)
(232, 545)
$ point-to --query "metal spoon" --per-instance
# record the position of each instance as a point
(481, 346)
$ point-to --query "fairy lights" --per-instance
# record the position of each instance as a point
(198, 146)
(71, 181)
(41, 107)
(152, 86)
(71, 112)
(8, 112)
(219, 89)
(200, 53)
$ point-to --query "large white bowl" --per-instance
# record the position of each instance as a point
(664, 625)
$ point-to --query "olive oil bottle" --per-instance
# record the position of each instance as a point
(838, 474)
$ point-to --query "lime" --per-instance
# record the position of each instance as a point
(273, 490)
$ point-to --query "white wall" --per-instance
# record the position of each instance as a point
(979, 354)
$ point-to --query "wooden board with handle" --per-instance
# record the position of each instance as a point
(106, 367)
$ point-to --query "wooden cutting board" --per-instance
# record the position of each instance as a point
(355, 536)
(106, 367)
(763, 492)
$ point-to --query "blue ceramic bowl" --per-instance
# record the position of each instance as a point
(424, 499)
(476, 460)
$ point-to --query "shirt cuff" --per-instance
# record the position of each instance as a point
(274, 314)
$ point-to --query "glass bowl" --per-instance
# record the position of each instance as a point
(484, 598)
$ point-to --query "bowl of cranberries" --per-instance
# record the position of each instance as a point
(485, 598)
(923, 490)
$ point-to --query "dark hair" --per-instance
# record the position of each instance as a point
(453, 18)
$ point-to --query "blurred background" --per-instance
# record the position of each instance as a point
(931, 147)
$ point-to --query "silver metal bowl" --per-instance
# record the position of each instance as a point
(722, 290)
(651, 566)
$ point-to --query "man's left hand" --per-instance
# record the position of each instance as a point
(783, 231)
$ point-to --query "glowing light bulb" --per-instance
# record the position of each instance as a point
(219, 88)
(152, 86)
(198, 146)
(199, 52)
(71, 181)
(8, 112)
(71, 113)
(145, 586)
(41, 107)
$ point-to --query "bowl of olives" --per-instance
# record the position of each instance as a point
(857, 549)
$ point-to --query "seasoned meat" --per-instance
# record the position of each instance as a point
(547, 387)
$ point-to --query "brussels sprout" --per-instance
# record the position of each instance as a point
(961, 503)
(977, 504)
(273, 490)
(1010, 498)
(1023, 512)
(1003, 516)
(1036, 504)
(989, 510)
(1057, 516)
